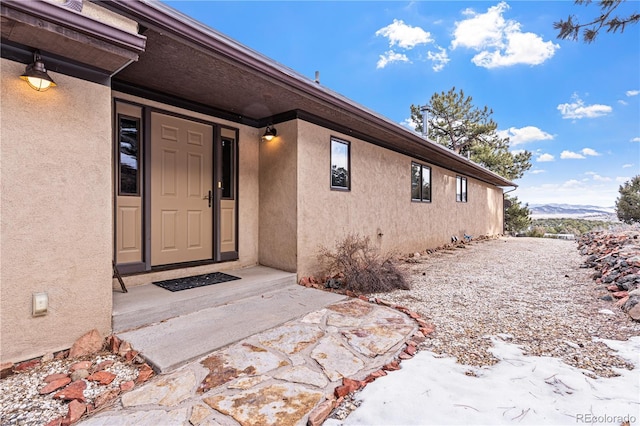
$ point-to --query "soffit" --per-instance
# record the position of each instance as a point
(55, 29)
(185, 59)
(210, 78)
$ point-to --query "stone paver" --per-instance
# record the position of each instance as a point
(276, 377)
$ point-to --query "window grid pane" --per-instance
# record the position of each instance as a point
(129, 155)
(461, 189)
(464, 190)
(426, 183)
(228, 156)
(340, 177)
(416, 178)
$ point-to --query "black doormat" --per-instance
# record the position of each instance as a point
(197, 281)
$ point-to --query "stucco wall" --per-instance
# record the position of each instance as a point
(380, 201)
(56, 212)
(279, 176)
(248, 169)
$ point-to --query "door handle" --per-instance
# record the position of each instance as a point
(208, 197)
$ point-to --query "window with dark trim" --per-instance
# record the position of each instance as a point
(461, 189)
(340, 164)
(228, 165)
(129, 155)
(420, 183)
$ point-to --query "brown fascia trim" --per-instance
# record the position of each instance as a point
(416, 154)
(167, 19)
(68, 18)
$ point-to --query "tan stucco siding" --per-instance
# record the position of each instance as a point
(278, 208)
(56, 212)
(248, 196)
(380, 201)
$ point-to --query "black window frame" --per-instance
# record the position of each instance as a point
(138, 170)
(461, 189)
(228, 185)
(346, 187)
(422, 198)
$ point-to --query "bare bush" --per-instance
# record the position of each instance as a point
(362, 268)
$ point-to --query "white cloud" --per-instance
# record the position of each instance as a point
(627, 166)
(524, 135)
(621, 102)
(570, 192)
(632, 92)
(390, 57)
(590, 152)
(571, 155)
(544, 158)
(403, 35)
(440, 59)
(571, 184)
(577, 109)
(597, 177)
(500, 42)
(622, 179)
(409, 123)
(637, 139)
(537, 171)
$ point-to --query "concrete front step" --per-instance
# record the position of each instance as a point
(169, 344)
(147, 304)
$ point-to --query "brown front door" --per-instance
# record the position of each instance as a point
(181, 185)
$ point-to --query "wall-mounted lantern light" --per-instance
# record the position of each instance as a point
(36, 74)
(270, 133)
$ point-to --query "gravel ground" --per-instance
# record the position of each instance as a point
(530, 291)
(22, 404)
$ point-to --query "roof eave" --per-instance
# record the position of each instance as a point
(179, 25)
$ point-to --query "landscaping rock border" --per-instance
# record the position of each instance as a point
(616, 258)
(58, 389)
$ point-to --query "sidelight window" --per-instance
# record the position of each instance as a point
(129, 155)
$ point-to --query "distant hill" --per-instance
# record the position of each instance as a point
(572, 211)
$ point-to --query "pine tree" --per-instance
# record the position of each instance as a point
(570, 29)
(456, 123)
(517, 217)
(628, 204)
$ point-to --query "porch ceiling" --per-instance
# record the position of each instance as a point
(59, 30)
(186, 59)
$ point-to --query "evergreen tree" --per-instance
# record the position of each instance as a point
(456, 123)
(571, 27)
(517, 217)
(628, 204)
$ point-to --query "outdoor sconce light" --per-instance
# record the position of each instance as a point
(270, 133)
(36, 74)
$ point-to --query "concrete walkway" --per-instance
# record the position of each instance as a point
(275, 377)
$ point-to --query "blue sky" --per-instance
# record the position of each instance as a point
(576, 106)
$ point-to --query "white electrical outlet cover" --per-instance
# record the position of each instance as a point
(40, 303)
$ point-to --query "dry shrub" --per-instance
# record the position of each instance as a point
(362, 267)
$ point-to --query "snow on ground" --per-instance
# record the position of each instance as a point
(519, 389)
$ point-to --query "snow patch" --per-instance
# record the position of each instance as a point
(519, 389)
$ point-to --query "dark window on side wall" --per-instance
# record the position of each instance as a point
(340, 165)
(129, 155)
(461, 189)
(420, 182)
(228, 164)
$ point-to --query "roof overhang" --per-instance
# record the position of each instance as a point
(185, 60)
(63, 32)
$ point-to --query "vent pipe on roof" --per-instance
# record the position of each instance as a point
(425, 121)
(317, 77)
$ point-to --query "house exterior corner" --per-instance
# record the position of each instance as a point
(56, 212)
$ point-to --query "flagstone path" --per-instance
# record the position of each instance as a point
(276, 377)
